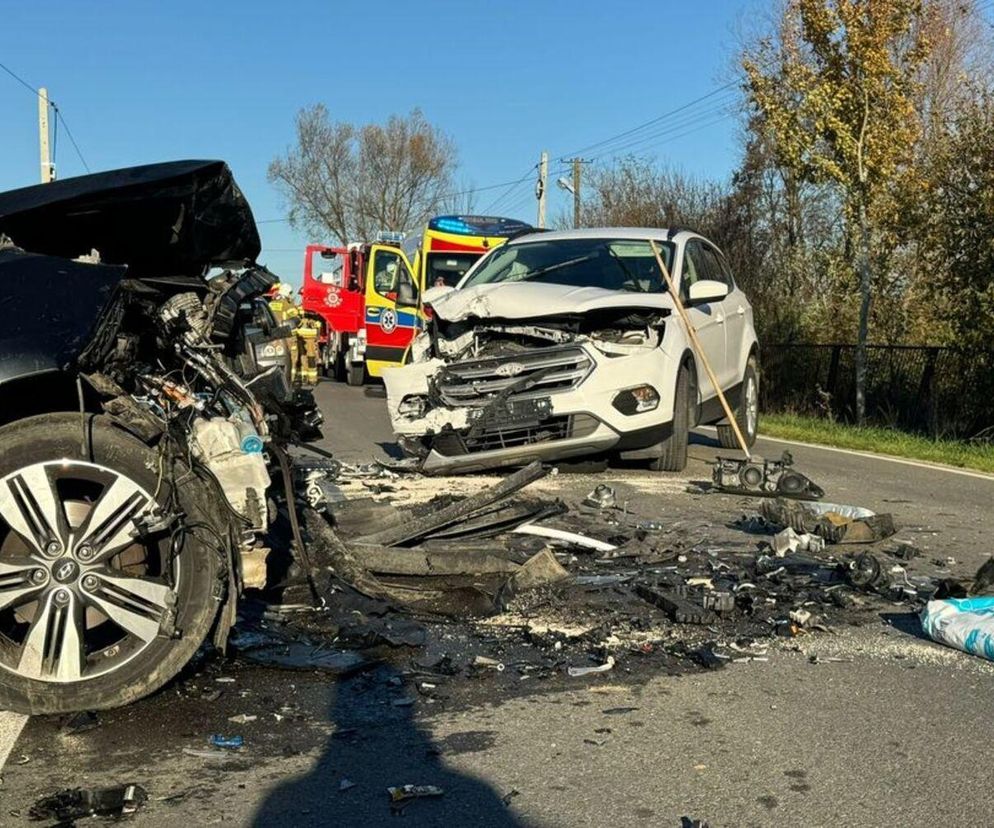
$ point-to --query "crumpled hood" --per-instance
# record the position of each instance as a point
(531, 300)
(168, 219)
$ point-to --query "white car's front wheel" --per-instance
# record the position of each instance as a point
(746, 410)
(673, 450)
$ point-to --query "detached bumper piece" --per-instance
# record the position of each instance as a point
(764, 478)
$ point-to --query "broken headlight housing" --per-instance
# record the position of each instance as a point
(413, 405)
(637, 400)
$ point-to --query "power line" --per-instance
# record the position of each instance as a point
(58, 114)
(20, 80)
(725, 109)
(651, 122)
(515, 185)
(60, 117)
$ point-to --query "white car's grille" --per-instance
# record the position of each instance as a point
(536, 373)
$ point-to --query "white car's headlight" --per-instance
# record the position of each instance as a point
(637, 400)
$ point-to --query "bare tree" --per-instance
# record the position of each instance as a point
(351, 181)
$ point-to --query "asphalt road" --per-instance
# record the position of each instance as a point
(896, 732)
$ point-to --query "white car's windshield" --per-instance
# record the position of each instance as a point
(613, 264)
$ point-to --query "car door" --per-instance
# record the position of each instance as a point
(708, 318)
(737, 309)
(391, 317)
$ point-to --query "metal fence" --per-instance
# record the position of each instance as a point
(943, 392)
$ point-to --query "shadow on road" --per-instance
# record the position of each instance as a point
(377, 744)
(907, 622)
(698, 439)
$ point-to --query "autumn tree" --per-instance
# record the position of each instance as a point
(351, 181)
(836, 92)
(958, 225)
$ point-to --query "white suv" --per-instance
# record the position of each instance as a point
(565, 344)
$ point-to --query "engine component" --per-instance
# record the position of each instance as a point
(764, 478)
(242, 475)
(185, 314)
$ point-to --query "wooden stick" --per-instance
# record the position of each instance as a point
(692, 334)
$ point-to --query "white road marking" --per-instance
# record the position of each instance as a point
(921, 464)
(11, 725)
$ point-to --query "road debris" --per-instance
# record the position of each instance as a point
(77, 803)
(836, 523)
(764, 478)
(602, 497)
(577, 672)
(401, 796)
(227, 742)
(502, 598)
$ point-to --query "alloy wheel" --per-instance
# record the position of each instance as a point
(81, 593)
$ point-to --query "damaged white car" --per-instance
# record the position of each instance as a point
(566, 344)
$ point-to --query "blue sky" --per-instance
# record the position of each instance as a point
(140, 82)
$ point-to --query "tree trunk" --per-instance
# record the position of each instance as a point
(863, 268)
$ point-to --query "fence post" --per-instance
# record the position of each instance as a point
(833, 373)
(926, 391)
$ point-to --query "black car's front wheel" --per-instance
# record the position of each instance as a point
(93, 613)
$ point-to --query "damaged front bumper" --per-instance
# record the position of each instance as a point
(541, 404)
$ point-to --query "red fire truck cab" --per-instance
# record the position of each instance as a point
(334, 295)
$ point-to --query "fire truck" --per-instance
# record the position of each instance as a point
(334, 294)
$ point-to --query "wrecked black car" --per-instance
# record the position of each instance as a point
(139, 428)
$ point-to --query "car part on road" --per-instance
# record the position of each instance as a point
(578, 672)
(72, 804)
(570, 538)
(764, 478)
(602, 497)
(460, 510)
(836, 523)
(678, 608)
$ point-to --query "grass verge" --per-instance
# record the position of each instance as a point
(878, 440)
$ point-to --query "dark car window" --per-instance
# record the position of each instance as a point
(712, 266)
(726, 271)
(609, 263)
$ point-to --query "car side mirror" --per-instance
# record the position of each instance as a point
(707, 290)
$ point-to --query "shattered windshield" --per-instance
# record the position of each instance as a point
(612, 264)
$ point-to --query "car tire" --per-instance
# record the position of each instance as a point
(746, 410)
(356, 373)
(67, 644)
(673, 450)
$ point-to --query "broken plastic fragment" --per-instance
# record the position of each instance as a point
(403, 792)
(229, 742)
(567, 537)
(576, 672)
(602, 497)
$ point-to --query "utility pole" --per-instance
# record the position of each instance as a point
(47, 170)
(541, 187)
(574, 187)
